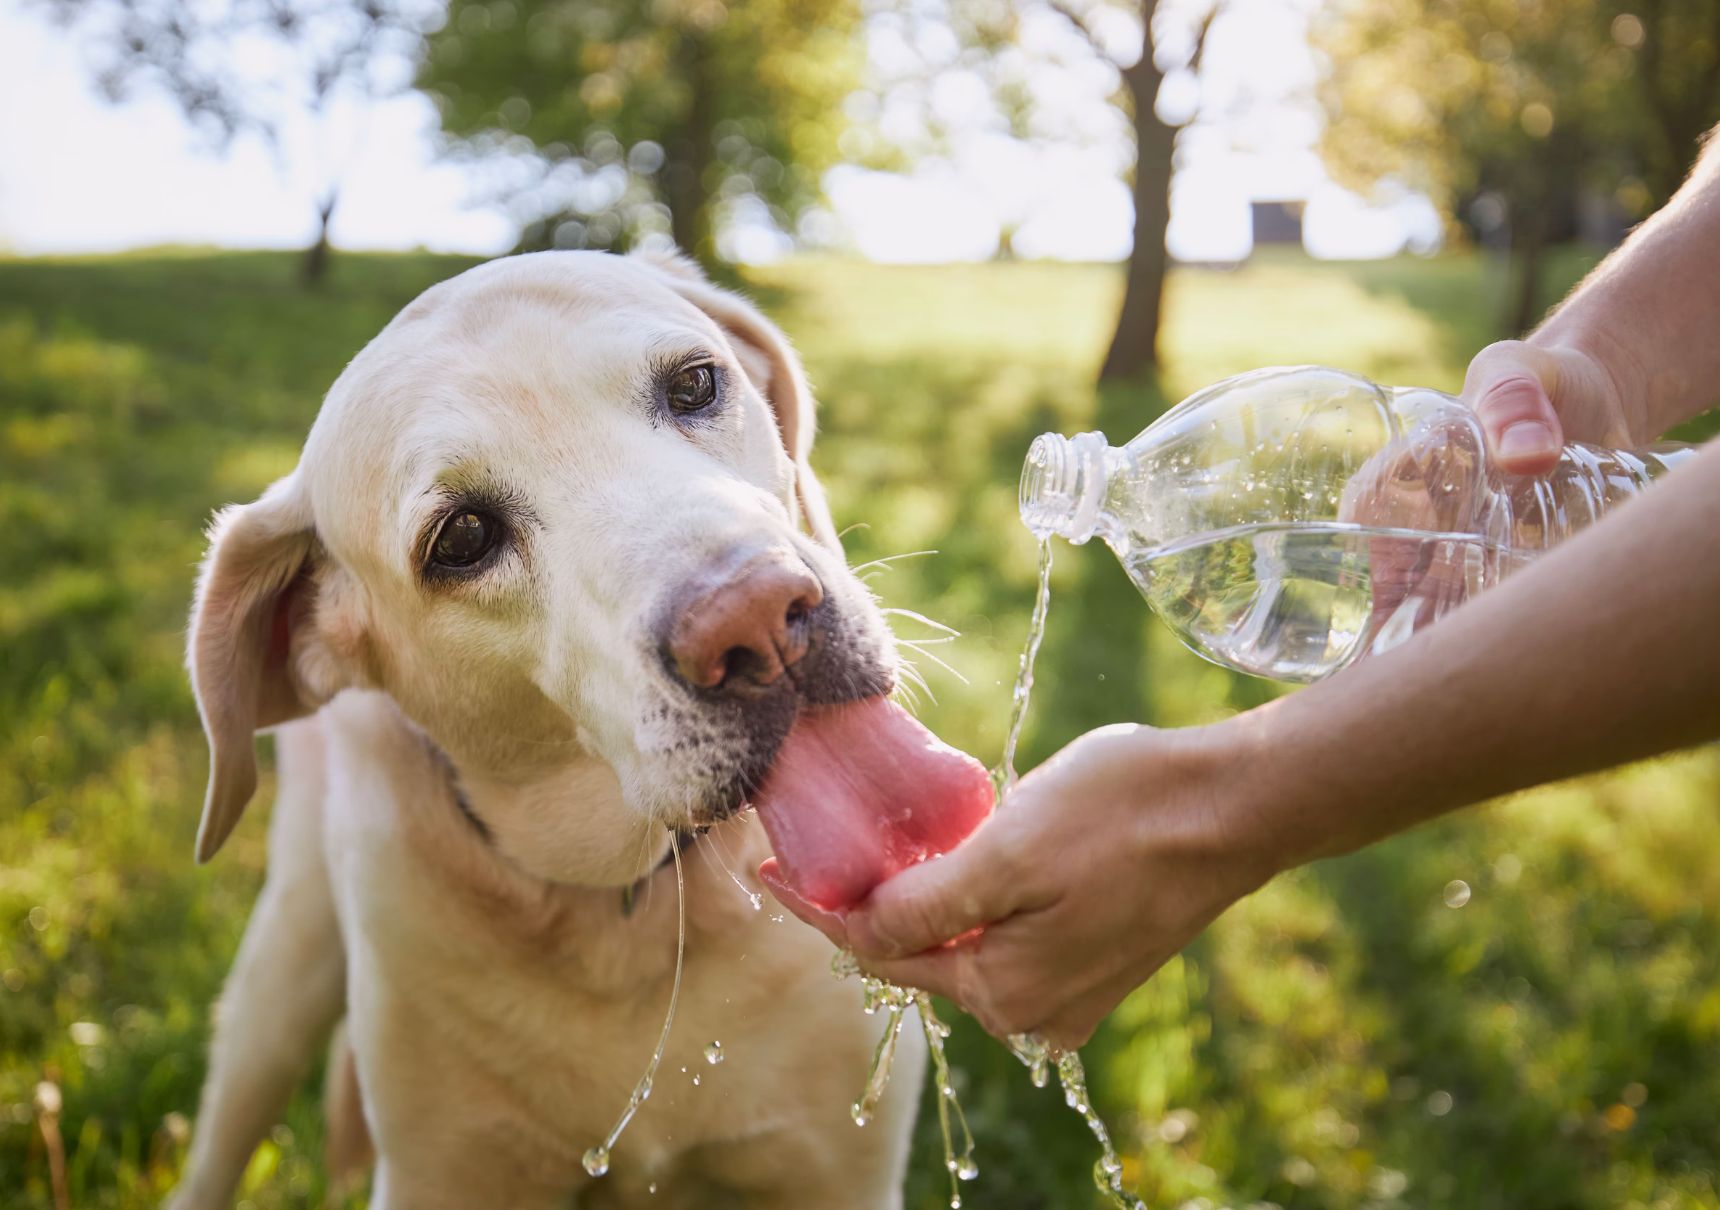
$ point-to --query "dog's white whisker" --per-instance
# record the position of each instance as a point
(915, 616)
(919, 648)
(884, 561)
(918, 644)
(912, 684)
(712, 842)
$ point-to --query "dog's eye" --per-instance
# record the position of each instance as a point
(465, 538)
(692, 389)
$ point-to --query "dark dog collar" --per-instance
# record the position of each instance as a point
(463, 804)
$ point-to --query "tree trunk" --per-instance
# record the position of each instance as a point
(1134, 346)
(1528, 244)
(687, 159)
(314, 266)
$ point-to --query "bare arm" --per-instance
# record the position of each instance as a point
(1633, 351)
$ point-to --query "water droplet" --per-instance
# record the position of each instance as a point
(695, 1079)
(596, 1161)
(651, 1188)
(1456, 893)
(714, 1053)
(966, 1168)
(857, 1111)
(1439, 1103)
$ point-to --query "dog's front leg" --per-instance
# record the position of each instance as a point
(285, 990)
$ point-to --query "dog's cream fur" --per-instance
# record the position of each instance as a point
(471, 772)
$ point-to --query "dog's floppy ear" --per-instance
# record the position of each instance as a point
(252, 592)
(773, 366)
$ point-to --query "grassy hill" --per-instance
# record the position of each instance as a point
(1342, 1039)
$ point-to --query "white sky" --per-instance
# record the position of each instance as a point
(78, 174)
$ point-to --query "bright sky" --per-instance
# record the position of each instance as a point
(78, 174)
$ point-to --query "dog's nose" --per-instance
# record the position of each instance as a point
(742, 629)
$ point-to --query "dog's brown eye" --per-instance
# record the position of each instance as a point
(692, 389)
(465, 538)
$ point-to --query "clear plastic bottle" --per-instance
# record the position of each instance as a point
(1288, 522)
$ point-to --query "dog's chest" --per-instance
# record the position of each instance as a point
(530, 1028)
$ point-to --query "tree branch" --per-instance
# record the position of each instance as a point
(1080, 19)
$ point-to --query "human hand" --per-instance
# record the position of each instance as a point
(1102, 864)
(1532, 400)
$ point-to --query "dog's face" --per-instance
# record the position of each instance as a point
(555, 511)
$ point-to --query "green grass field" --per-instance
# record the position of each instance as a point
(1342, 1039)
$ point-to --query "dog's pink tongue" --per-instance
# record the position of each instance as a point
(860, 791)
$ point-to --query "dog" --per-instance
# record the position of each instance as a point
(546, 590)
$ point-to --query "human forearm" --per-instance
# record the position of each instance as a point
(1606, 650)
(1647, 316)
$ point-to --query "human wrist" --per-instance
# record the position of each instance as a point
(1603, 362)
(1236, 818)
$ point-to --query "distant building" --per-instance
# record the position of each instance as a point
(1277, 222)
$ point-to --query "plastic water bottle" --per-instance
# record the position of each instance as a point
(1289, 522)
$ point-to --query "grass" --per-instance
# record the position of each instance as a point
(1342, 1039)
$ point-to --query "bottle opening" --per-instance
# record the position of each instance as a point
(1062, 483)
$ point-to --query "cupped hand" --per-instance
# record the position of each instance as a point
(1101, 865)
(1533, 400)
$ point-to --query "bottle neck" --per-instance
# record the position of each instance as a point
(1063, 485)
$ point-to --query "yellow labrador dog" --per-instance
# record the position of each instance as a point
(548, 586)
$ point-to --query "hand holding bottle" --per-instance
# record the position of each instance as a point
(1533, 400)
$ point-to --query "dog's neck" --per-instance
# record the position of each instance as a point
(568, 825)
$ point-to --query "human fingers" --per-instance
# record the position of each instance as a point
(1510, 386)
(931, 904)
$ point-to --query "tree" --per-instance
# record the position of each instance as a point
(621, 118)
(1170, 41)
(249, 66)
(1032, 56)
(1531, 101)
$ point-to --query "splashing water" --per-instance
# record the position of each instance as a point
(962, 1166)
(596, 1159)
(894, 1002)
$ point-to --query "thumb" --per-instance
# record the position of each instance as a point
(930, 904)
(1509, 385)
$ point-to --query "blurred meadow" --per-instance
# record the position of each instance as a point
(1518, 1007)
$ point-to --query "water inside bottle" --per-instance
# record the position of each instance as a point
(1298, 601)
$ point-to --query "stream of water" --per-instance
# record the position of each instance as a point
(596, 1159)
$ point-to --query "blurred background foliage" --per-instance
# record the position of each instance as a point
(1515, 1008)
(1517, 116)
(649, 117)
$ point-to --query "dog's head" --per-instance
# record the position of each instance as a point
(560, 511)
